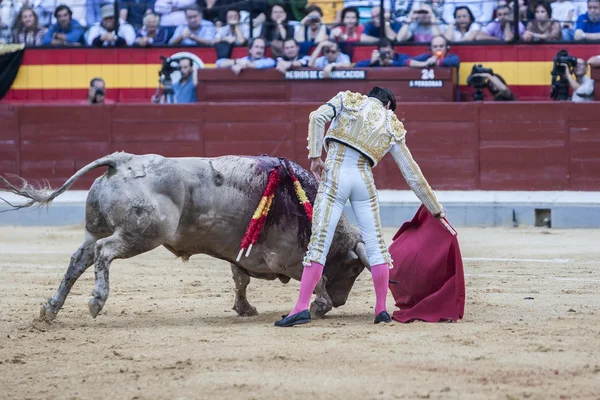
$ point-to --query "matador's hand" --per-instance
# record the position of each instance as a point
(317, 166)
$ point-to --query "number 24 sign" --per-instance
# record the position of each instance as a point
(427, 74)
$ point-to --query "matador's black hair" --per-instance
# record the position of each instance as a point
(384, 95)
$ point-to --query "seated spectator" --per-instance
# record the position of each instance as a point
(198, 31)
(27, 30)
(422, 26)
(66, 31)
(564, 12)
(482, 10)
(364, 8)
(542, 28)
(330, 10)
(276, 29)
(256, 58)
(582, 85)
(463, 28)
(502, 28)
(437, 7)
(438, 55)
(172, 12)
(44, 9)
(103, 34)
(372, 31)
(312, 29)
(588, 24)
(293, 8)
(349, 30)
(133, 11)
(291, 57)
(331, 59)
(234, 32)
(384, 56)
(151, 34)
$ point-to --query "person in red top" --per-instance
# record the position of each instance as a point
(350, 30)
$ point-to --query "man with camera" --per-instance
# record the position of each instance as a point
(481, 78)
(331, 59)
(422, 27)
(383, 56)
(184, 91)
(582, 85)
(97, 92)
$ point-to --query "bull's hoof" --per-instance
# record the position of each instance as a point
(245, 311)
(47, 312)
(320, 307)
(95, 305)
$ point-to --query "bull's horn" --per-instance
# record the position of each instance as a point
(361, 252)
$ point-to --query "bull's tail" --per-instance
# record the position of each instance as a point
(43, 196)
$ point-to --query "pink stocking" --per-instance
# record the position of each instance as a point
(310, 278)
(381, 277)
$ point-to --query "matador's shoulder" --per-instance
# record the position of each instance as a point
(353, 100)
(395, 126)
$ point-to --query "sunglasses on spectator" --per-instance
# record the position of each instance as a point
(330, 51)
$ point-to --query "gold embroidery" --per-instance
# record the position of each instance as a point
(365, 125)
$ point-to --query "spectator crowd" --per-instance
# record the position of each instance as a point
(224, 23)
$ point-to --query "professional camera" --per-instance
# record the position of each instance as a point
(169, 66)
(560, 83)
(478, 82)
(385, 55)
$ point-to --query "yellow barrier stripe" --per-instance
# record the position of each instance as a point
(78, 76)
(143, 76)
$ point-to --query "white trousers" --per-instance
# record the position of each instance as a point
(348, 176)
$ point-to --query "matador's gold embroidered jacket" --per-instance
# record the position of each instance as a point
(363, 123)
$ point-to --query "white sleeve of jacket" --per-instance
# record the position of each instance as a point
(414, 177)
(316, 124)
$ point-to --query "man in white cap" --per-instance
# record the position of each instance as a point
(106, 34)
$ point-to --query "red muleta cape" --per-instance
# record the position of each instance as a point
(428, 271)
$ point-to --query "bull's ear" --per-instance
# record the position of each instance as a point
(361, 252)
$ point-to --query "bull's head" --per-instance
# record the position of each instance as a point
(344, 264)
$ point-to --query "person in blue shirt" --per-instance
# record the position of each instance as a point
(198, 31)
(66, 31)
(438, 55)
(588, 24)
(372, 31)
(256, 58)
(185, 88)
(384, 56)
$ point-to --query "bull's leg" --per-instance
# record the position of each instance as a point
(322, 304)
(107, 250)
(241, 305)
(80, 261)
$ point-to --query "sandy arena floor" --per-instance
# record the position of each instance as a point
(168, 331)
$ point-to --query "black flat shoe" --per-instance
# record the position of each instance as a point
(383, 317)
(303, 317)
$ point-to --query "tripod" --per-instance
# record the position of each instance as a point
(168, 94)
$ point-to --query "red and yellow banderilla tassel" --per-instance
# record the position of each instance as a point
(300, 193)
(260, 215)
(262, 211)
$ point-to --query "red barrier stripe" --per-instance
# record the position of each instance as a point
(467, 54)
(73, 96)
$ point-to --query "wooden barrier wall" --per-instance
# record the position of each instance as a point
(485, 146)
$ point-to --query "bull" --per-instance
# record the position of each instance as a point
(198, 206)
